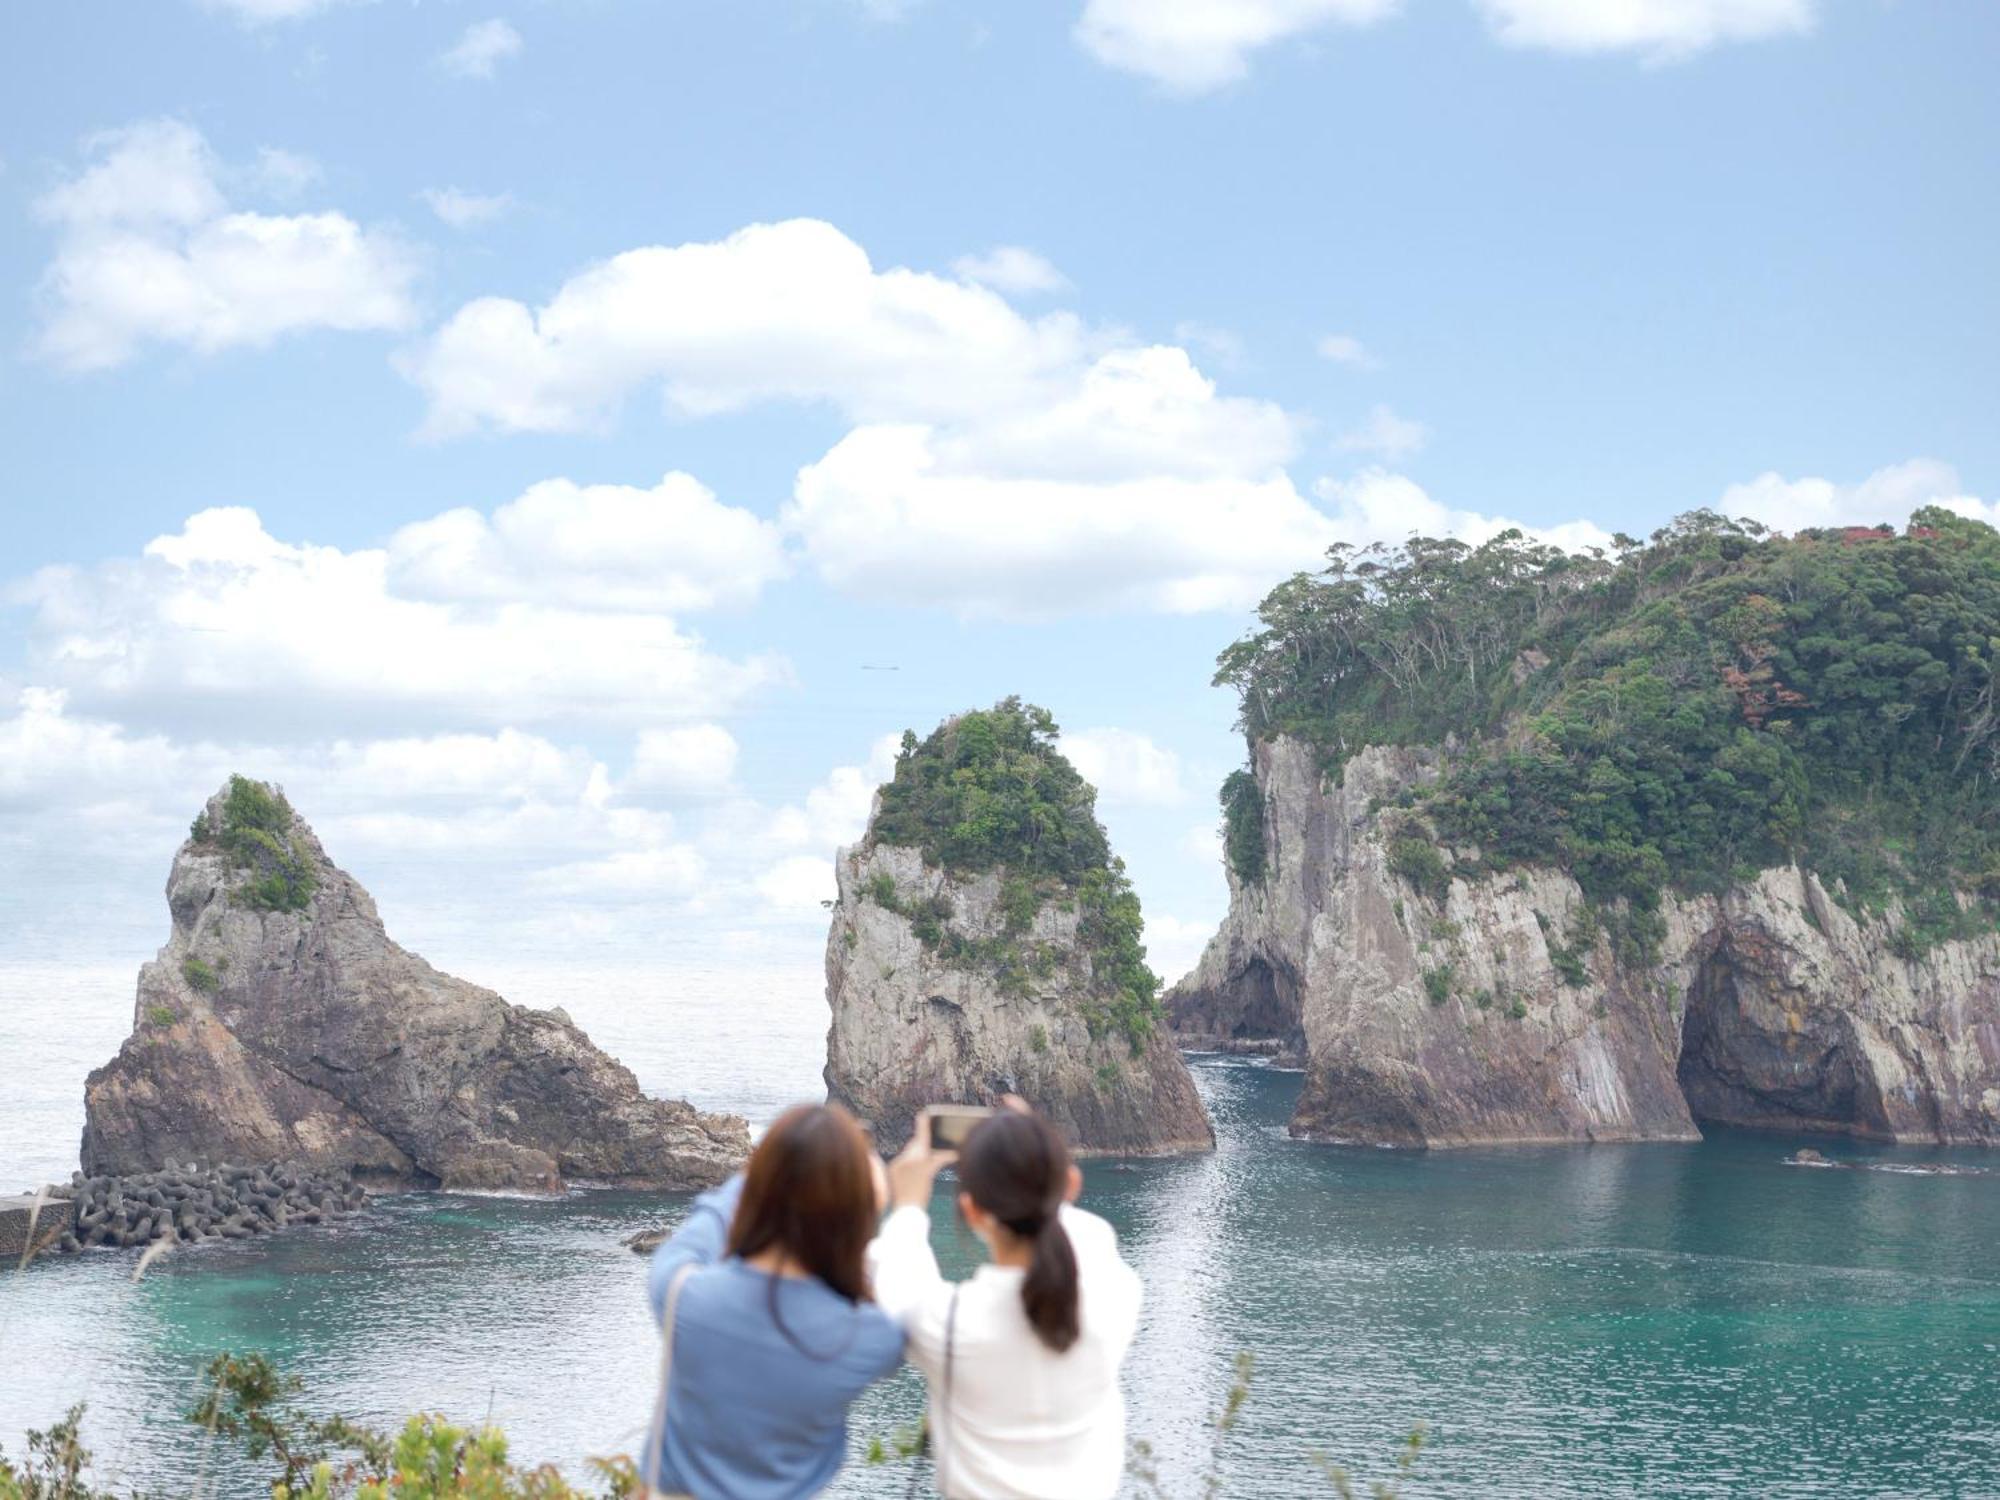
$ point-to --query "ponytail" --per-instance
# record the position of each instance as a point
(1049, 1292)
(1016, 1167)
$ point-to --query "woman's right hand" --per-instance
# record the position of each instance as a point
(915, 1169)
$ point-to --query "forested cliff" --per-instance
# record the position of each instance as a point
(1741, 787)
(986, 940)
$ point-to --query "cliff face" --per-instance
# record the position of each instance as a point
(1436, 1010)
(293, 1028)
(912, 1027)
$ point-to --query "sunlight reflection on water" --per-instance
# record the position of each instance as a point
(1687, 1320)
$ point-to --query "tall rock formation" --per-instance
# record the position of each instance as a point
(281, 1022)
(1441, 1009)
(985, 941)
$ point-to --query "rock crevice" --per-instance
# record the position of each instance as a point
(1438, 1010)
(913, 1026)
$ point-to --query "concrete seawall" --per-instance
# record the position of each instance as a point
(55, 1217)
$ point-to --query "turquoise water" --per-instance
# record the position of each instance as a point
(1663, 1320)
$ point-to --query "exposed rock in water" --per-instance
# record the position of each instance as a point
(281, 1023)
(957, 984)
(1438, 1010)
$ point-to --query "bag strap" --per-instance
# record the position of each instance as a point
(944, 1408)
(656, 1439)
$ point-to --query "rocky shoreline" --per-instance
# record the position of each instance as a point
(189, 1204)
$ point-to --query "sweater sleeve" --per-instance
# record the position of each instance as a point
(698, 1242)
(908, 1285)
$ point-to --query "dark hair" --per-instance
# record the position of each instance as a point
(808, 1191)
(1016, 1167)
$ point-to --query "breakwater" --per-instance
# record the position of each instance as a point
(188, 1204)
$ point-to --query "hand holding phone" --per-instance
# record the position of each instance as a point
(947, 1125)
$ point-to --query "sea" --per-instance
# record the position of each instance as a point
(1697, 1320)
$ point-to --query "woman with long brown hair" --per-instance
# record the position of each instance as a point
(770, 1328)
(1022, 1358)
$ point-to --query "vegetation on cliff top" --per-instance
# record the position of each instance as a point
(1679, 713)
(988, 790)
(255, 831)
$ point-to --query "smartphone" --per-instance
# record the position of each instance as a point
(950, 1124)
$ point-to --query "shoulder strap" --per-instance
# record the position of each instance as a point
(656, 1439)
(944, 1407)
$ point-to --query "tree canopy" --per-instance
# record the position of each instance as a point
(989, 790)
(1678, 713)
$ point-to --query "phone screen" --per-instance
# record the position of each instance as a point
(950, 1127)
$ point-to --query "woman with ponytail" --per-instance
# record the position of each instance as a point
(1022, 1358)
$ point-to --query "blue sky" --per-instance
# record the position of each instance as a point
(1068, 329)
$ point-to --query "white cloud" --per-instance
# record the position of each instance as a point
(593, 547)
(1125, 766)
(833, 813)
(1381, 507)
(885, 517)
(1141, 489)
(1888, 495)
(463, 210)
(284, 174)
(1196, 46)
(480, 51)
(693, 760)
(790, 311)
(264, 12)
(1664, 30)
(223, 624)
(1204, 842)
(1223, 345)
(1345, 349)
(1173, 946)
(666, 871)
(798, 886)
(1011, 268)
(1384, 434)
(148, 251)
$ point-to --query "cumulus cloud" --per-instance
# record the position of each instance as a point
(1345, 349)
(481, 49)
(1142, 488)
(789, 311)
(691, 760)
(1173, 945)
(671, 548)
(1126, 767)
(1888, 495)
(1011, 268)
(1384, 434)
(1662, 30)
(1377, 506)
(149, 251)
(1197, 46)
(463, 210)
(223, 623)
(799, 886)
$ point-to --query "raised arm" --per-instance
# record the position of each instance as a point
(902, 1271)
(699, 1241)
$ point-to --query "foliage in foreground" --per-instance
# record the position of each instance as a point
(255, 831)
(1677, 714)
(248, 1402)
(989, 790)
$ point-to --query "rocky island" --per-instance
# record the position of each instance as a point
(986, 940)
(1542, 847)
(281, 1024)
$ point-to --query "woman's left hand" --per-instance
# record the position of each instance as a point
(915, 1169)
